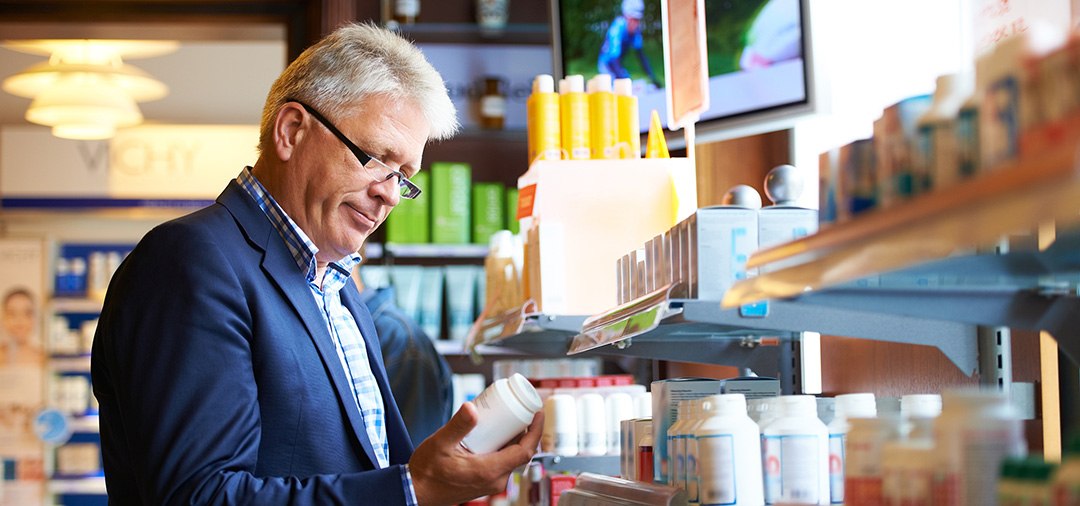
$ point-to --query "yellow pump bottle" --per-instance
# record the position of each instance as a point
(602, 118)
(628, 126)
(574, 112)
(542, 109)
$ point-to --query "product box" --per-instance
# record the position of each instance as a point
(666, 395)
(410, 221)
(451, 185)
(488, 214)
(751, 387)
(780, 224)
(726, 237)
(511, 208)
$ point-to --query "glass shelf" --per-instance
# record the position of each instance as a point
(94, 485)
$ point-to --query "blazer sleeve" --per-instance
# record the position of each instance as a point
(173, 367)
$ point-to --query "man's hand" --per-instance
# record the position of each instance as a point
(444, 472)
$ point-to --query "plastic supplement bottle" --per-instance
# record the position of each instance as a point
(505, 409)
(698, 413)
(560, 426)
(863, 463)
(676, 448)
(860, 405)
(592, 425)
(976, 431)
(729, 454)
(796, 453)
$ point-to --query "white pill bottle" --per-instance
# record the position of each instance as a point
(729, 454)
(505, 409)
(796, 454)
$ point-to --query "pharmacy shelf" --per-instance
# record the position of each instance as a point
(1015, 197)
(471, 33)
(602, 464)
(452, 348)
(61, 305)
(427, 250)
(85, 424)
(75, 364)
(525, 330)
(94, 485)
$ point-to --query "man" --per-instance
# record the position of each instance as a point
(234, 363)
(624, 34)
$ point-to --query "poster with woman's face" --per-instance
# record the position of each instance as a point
(22, 367)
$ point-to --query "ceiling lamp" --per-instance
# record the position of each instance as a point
(85, 91)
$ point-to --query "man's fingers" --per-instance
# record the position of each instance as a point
(462, 422)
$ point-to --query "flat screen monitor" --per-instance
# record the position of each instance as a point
(759, 58)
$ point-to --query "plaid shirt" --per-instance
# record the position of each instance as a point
(343, 329)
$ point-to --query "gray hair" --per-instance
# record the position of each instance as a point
(354, 62)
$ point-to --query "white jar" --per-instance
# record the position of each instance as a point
(863, 453)
(728, 454)
(505, 409)
(796, 454)
(560, 435)
(860, 405)
(976, 431)
(618, 406)
(592, 425)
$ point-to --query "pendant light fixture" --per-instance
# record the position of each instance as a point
(85, 90)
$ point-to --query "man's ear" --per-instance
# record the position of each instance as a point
(288, 129)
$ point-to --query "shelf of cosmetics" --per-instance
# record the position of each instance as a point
(724, 448)
(84, 270)
(597, 120)
(1022, 98)
(453, 209)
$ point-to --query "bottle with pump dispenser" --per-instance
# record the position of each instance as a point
(628, 124)
(574, 113)
(796, 454)
(543, 128)
(729, 454)
(602, 113)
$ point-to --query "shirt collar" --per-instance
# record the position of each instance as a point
(300, 246)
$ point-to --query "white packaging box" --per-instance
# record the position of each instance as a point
(666, 395)
(780, 224)
(726, 237)
(751, 387)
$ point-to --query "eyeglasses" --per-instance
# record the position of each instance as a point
(375, 167)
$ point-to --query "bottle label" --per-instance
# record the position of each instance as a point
(493, 106)
(791, 469)
(836, 468)
(407, 8)
(716, 470)
(691, 469)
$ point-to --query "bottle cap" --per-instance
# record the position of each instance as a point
(560, 414)
(727, 405)
(860, 405)
(544, 83)
(575, 83)
(799, 405)
(624, 87)
(920, 406)
(525, 393)
(600, 83)
(742, 196)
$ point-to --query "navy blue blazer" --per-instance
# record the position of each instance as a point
(218, 380)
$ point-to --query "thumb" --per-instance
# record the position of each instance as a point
(462, 422)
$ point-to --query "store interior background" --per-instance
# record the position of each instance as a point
(868, 54)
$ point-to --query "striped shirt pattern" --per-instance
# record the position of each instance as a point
(343, 329)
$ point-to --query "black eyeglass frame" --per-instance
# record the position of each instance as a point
(409, 190)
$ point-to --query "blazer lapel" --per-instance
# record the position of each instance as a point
(280, 267)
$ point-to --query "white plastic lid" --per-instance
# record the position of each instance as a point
(525, 393)
(619, 406)
(560, 414)
(591, 413)
(920, 406)
(563, 86)
(727, 405)
(624, 86)
(861, 405)
(643, 405)
(600, 82)
(742, 195)
(575, 83)
(544, 83)
(798, 406)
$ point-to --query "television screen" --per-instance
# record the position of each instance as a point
(758, 55)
